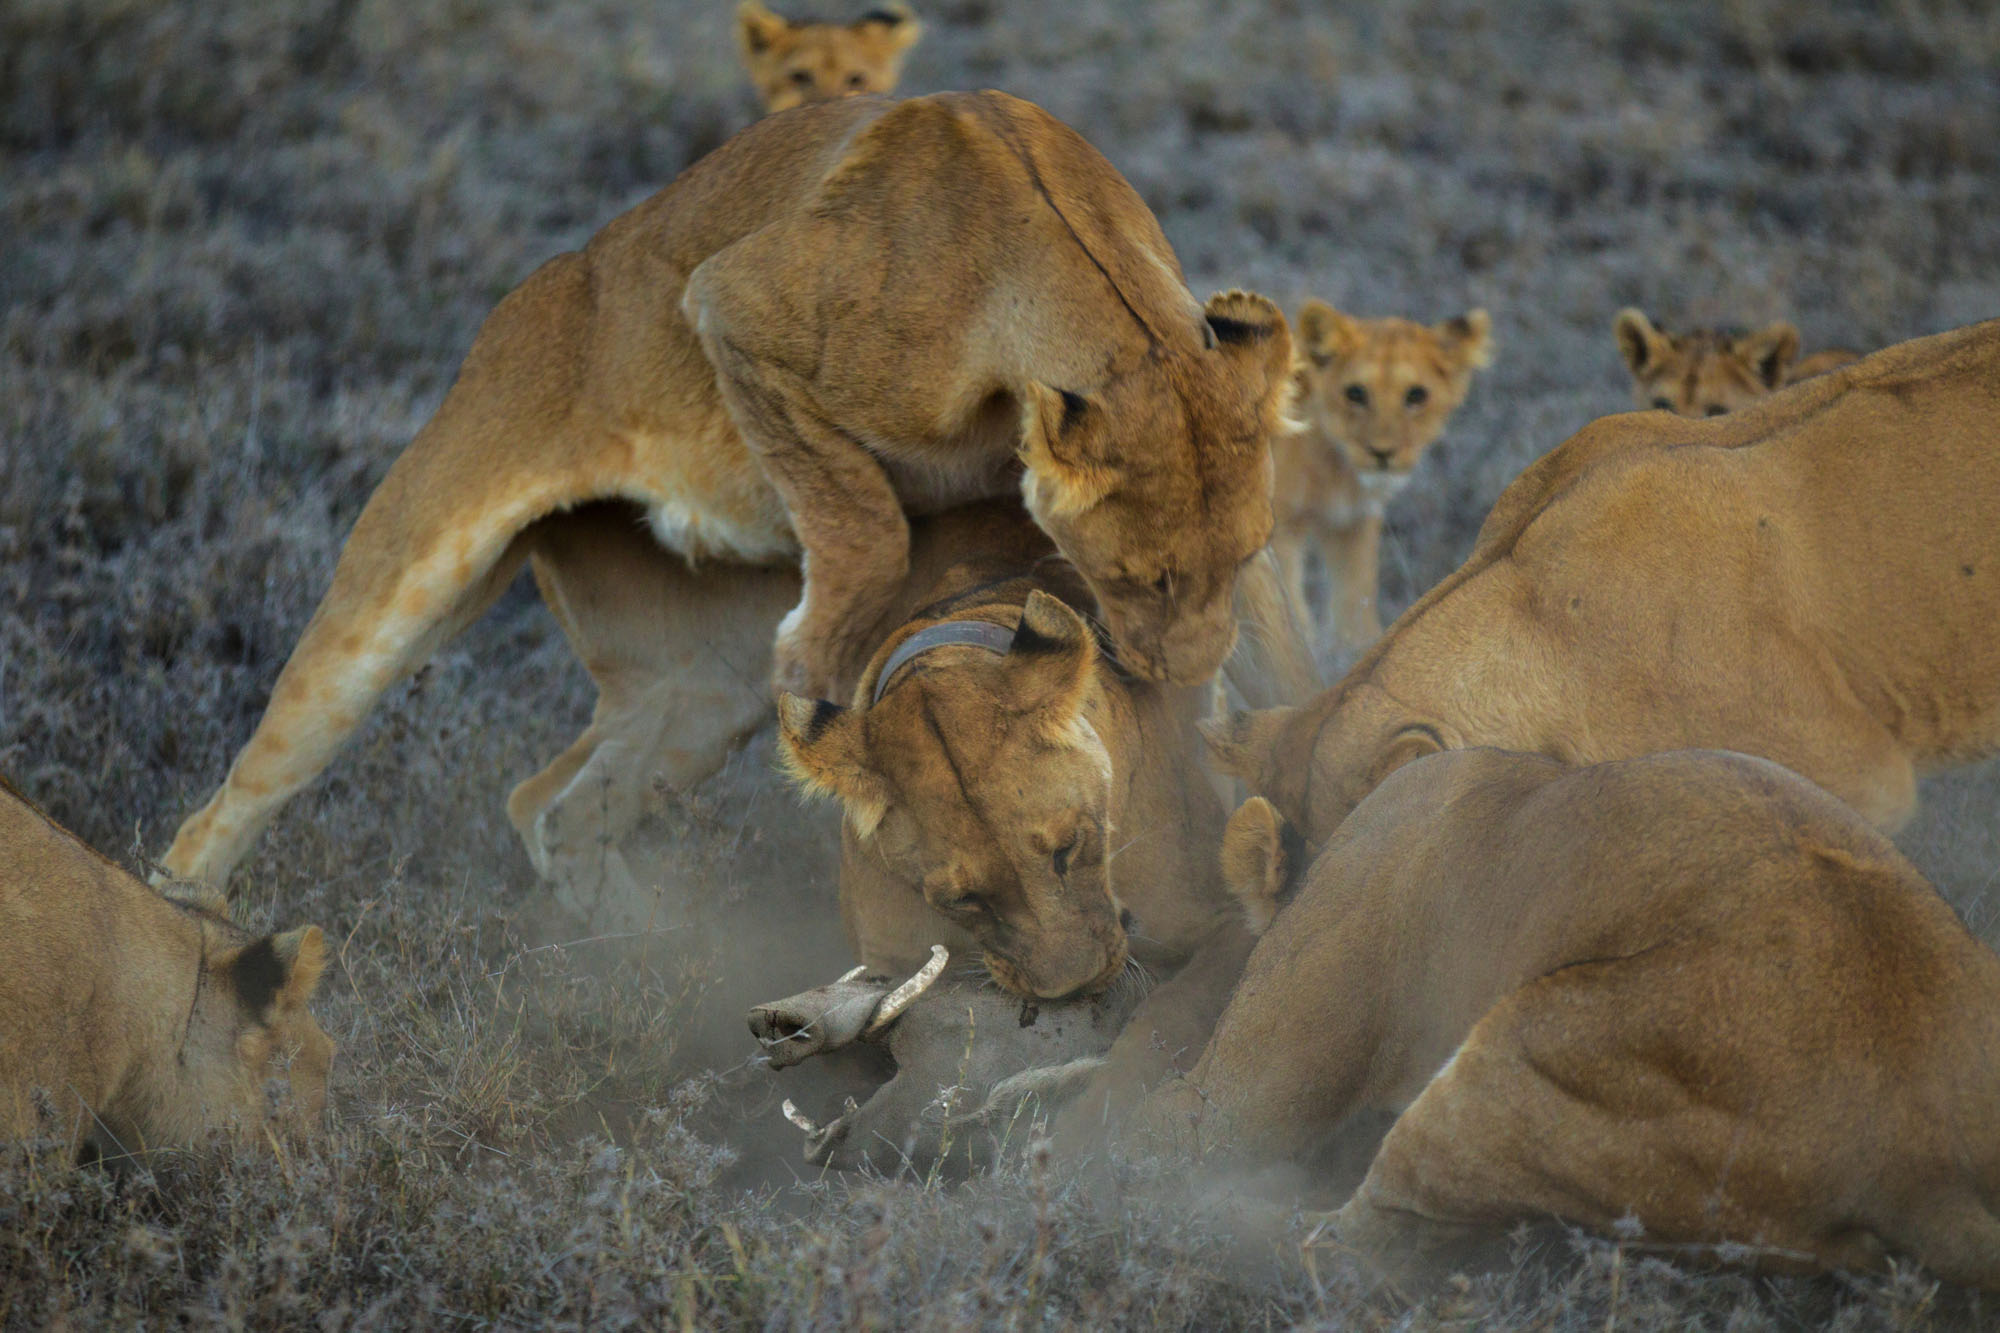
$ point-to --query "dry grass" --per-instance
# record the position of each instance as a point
(245, 246)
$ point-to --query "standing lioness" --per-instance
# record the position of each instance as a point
(137, 1020)
(847, 313)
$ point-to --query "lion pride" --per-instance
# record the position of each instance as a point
(847, 314)
(1691, 992)
(140, 1021)
(1815, 579)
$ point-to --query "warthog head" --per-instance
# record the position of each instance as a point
(970, 1060)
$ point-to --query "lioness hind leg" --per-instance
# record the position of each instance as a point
(680, 658)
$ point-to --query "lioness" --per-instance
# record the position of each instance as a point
(1374, 394)
(1707, 372)
(1815, 579)
(1692, 990)
(141, 1021)
(864, 308)
(795, 63)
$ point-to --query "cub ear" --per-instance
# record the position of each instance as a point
(1248, 327)
(1242, 744)
(1062, 479)
(1770, 351)
(894, 25)
(1639, 342)
(1257, 862)
(757, 28)
(1048, 665)
(1469, 337)
(277, 972)
(821, 747)
(1326, 334)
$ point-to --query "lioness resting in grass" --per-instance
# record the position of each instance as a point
(856, 311)
(1815, 579)
(792, 64)
(140, 1021)
(1707, 372)
(1374, 394)
(1691, 992)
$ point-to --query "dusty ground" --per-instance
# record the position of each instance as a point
(242, 248)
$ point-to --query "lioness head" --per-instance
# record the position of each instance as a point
(969, 1061)
(248, 1009)
(1383, 389)
(984, 786)
(1157, 486)
(1316, 763)
(1704, 372)
(795, 63)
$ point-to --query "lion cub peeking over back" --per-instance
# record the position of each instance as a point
(796, 63)
(1374, 393)
(1708, 372)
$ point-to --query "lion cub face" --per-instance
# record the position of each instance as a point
(1704, 372)
(795, 63)
(1157, 486)
(1382, 389)
(978, 782)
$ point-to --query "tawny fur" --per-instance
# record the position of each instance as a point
(137, 1021)
(1707, 372)
(860, 309)
(792, 64)
(1815, 579)
(1373, 395)
(1691, 990)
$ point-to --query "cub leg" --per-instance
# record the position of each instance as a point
(680, 658)
(1288, 549)
(1351, 555)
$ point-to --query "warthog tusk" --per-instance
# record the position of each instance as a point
(799, 1118)
(906, 994)
(851, 974)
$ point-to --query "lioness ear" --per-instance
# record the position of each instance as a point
(1257, 862)
(1770, 351)
(1249, 328)
(1062, 479)
(1412, 742)
(1241, 744)
(1326, 334)
(278, 971)
(821, 746)
(1048, 665)
(896, 27)
(1469, 337)
(757, 28)
(1638, 341)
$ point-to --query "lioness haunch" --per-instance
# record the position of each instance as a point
(1815, 579)
(142, 1021)
(846, 313)
(1690, 990)
(970, 1060)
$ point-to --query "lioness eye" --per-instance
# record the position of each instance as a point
(1357, 394)
(1417, 396)
(966, 904)
(1063, 854)
(1664, 404)
(1163, 584)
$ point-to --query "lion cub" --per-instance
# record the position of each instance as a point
(1374, 394)
(142, 1020)
(1708, 372)
(796, 63)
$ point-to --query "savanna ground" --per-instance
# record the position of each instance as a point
(243, 246)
